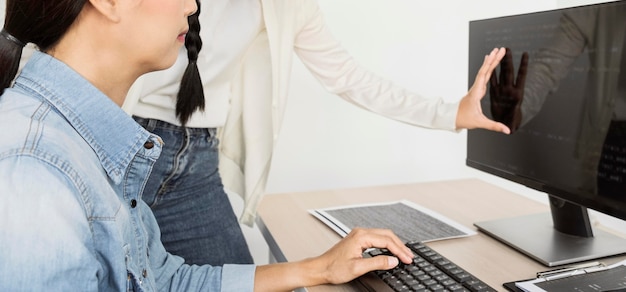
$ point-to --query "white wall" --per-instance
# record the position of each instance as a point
(327, 143)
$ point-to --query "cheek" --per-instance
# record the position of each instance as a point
(155, 31)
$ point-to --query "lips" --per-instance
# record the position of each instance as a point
(181, 36)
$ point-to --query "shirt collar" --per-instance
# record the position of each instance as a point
(112, 134)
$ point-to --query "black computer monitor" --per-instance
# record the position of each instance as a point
(562, 90)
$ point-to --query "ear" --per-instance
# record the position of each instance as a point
(109, 9)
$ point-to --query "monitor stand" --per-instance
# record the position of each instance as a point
(565, 238)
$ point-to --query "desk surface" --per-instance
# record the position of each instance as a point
(293, 234)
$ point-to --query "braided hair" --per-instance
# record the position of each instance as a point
(191, 94)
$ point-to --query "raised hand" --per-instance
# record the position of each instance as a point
(470, 114)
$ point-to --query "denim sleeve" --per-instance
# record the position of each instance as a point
(207, 278)
(172, 275)
(45, 239)
(238, 278)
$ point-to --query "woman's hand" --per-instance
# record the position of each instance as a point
(344, 261)
(470, 114)
(340, 264)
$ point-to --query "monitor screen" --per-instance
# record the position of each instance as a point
(561, 89)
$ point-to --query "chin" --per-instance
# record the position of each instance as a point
(167, 62)
(162, 61)
(163, 65)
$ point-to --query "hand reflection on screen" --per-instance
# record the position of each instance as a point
(507, 91)
(600, 35)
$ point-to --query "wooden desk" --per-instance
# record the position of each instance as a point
(293, 234)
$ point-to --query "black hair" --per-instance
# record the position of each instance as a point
(191, 93)
(41, 22)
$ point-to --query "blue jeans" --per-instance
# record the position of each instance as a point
(186, 194)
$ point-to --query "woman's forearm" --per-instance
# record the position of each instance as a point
(289, 276)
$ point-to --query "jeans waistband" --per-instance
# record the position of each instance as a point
(151, 124)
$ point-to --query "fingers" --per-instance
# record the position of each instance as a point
(381, 262)
(380, 238)
(491, 62)
(345, 261)
(493, 85)
(383, 238)
(493, 59)
(484, 73)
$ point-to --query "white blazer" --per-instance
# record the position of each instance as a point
(260, 92)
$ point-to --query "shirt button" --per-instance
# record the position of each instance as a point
(133, 203)
(144, 273)
(148, 145)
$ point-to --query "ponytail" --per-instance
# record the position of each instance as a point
(10, 55)
(191, 94)
(41, 22)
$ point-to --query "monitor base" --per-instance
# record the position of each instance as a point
(534, 236)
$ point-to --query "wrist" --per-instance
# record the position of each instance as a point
(292, 275)
(313, 271)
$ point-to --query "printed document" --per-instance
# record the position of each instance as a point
(411, 222)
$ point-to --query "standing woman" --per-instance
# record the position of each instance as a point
(223, 132)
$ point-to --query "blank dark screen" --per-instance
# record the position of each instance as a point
(571, 104)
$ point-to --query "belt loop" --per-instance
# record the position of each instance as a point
(212, 132)
(152, 123)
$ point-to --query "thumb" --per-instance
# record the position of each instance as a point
(380, 262)
(498, 127)
(485, 123)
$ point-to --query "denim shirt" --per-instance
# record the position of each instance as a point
(72, 168)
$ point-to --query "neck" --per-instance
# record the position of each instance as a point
(103, 71)
(96, 58)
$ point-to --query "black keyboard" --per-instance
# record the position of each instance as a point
(429, 272)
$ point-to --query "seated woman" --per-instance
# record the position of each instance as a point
(73, 164)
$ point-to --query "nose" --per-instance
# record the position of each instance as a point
(192, 6)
